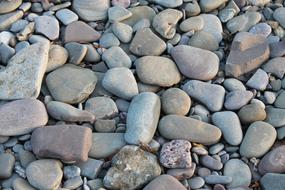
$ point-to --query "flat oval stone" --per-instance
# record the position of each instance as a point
(278, 15)
(7, 162)
(275, 116)
(57, 57)
(22, 116)
(71, 84)
(140, 13)
(211, 95)
(195, 63)
(65, 142)
(273, 181)
(123, 32)
(204, 40)
(217, 179)
(48, 26)
(237, 99)
(180, 127)
(273, 161)
(193, 23)
(155, 70)
(213, 25)
(258, 139)
(244, 22)
(9, 6)
(228, 122)
(164, 182)
(232, 84)
(275, 66)
(116, 57)
(152, 46)
(168, 3)
(239, 171)
(208, 5)
(251, 113)
(66, 16)
(211, 163)
(45, 174)
(142, 118)
(121, 82)
(101, 107)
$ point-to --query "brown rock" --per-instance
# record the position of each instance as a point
(79, 31)
(251, 113)
(65, 142)
(248, 52)
(164, 182)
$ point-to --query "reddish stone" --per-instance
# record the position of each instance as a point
(65, 142)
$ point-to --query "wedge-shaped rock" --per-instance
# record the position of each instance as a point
(22, 78)
(65, 142)
(22, 116)
(276, 66)
(181, 127)
(248, 52)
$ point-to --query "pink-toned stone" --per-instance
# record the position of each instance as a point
(176, 154)
(79, 31)
(65, 142)
(164, 182)
(123, 3)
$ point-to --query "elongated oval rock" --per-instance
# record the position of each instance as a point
(155, 70)
(211, 95)
(142, 118)
(228, 122)
(22, 116)
(65, 142)
(258, 139)
(181, 127)
(195, 63)
(66, 112)
(273, 161)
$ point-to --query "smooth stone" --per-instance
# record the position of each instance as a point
(192, 8)
(270, 97)
(232, 84)
(87, 33)
(7, 162)
(147, 88)
(122, 105)
(109, 40)
(105, 126)
(217, 179)
(152, 46)
(228, 12)
(122, 3)
(196, 182)
(101, 107)
(92, 55)
(180, 127)
(165, 22)
(175, 101)
(273, 161)
(73, 183)
(211, 95)
(248, 52)
(237, 99)
(139, 13)
(123, 32)
(251, 113)
(211, 162)
(208, 5)
(99, 90)
(278, 15)
(142, 168)
(19, 25)
(95, 184)
(261, 29)
(273, 181)
(195, 23)
(259, 2)
(159, 71)
(91, 10)
(276, 66)
(259, 80)
(216, 148)
(21, 45)
(116, 57)
(90, 168)
(71, 171)
(244, 22)
(164, 182)
(280, 100)
(103, 147)
(31, 62)
(121, 82)
(195, 63)
(48, 26)
(9, 6)
(204, 40)
(65, 142)
(7, 183)
(6, 53)
(228, 122)
(26, 157)
(118, 13)
(66, 16)
(176, 154)
(6, 37)
(142, 118)
(6, 20)
(22, 116)
(183, 173)
(213, 25)
(257, 140)
(168, 3)
(239, 171)
(21, 184)
(76, 52)
(45, 174)
(275, 116)
(65, 112)
(71, 84)
(57, 57)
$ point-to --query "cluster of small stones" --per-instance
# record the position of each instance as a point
(142, 94)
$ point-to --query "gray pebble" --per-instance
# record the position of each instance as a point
(216, 148)
(218, 179)
(71, 171)
(211, 163)
(196, 182)
(108, 40)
